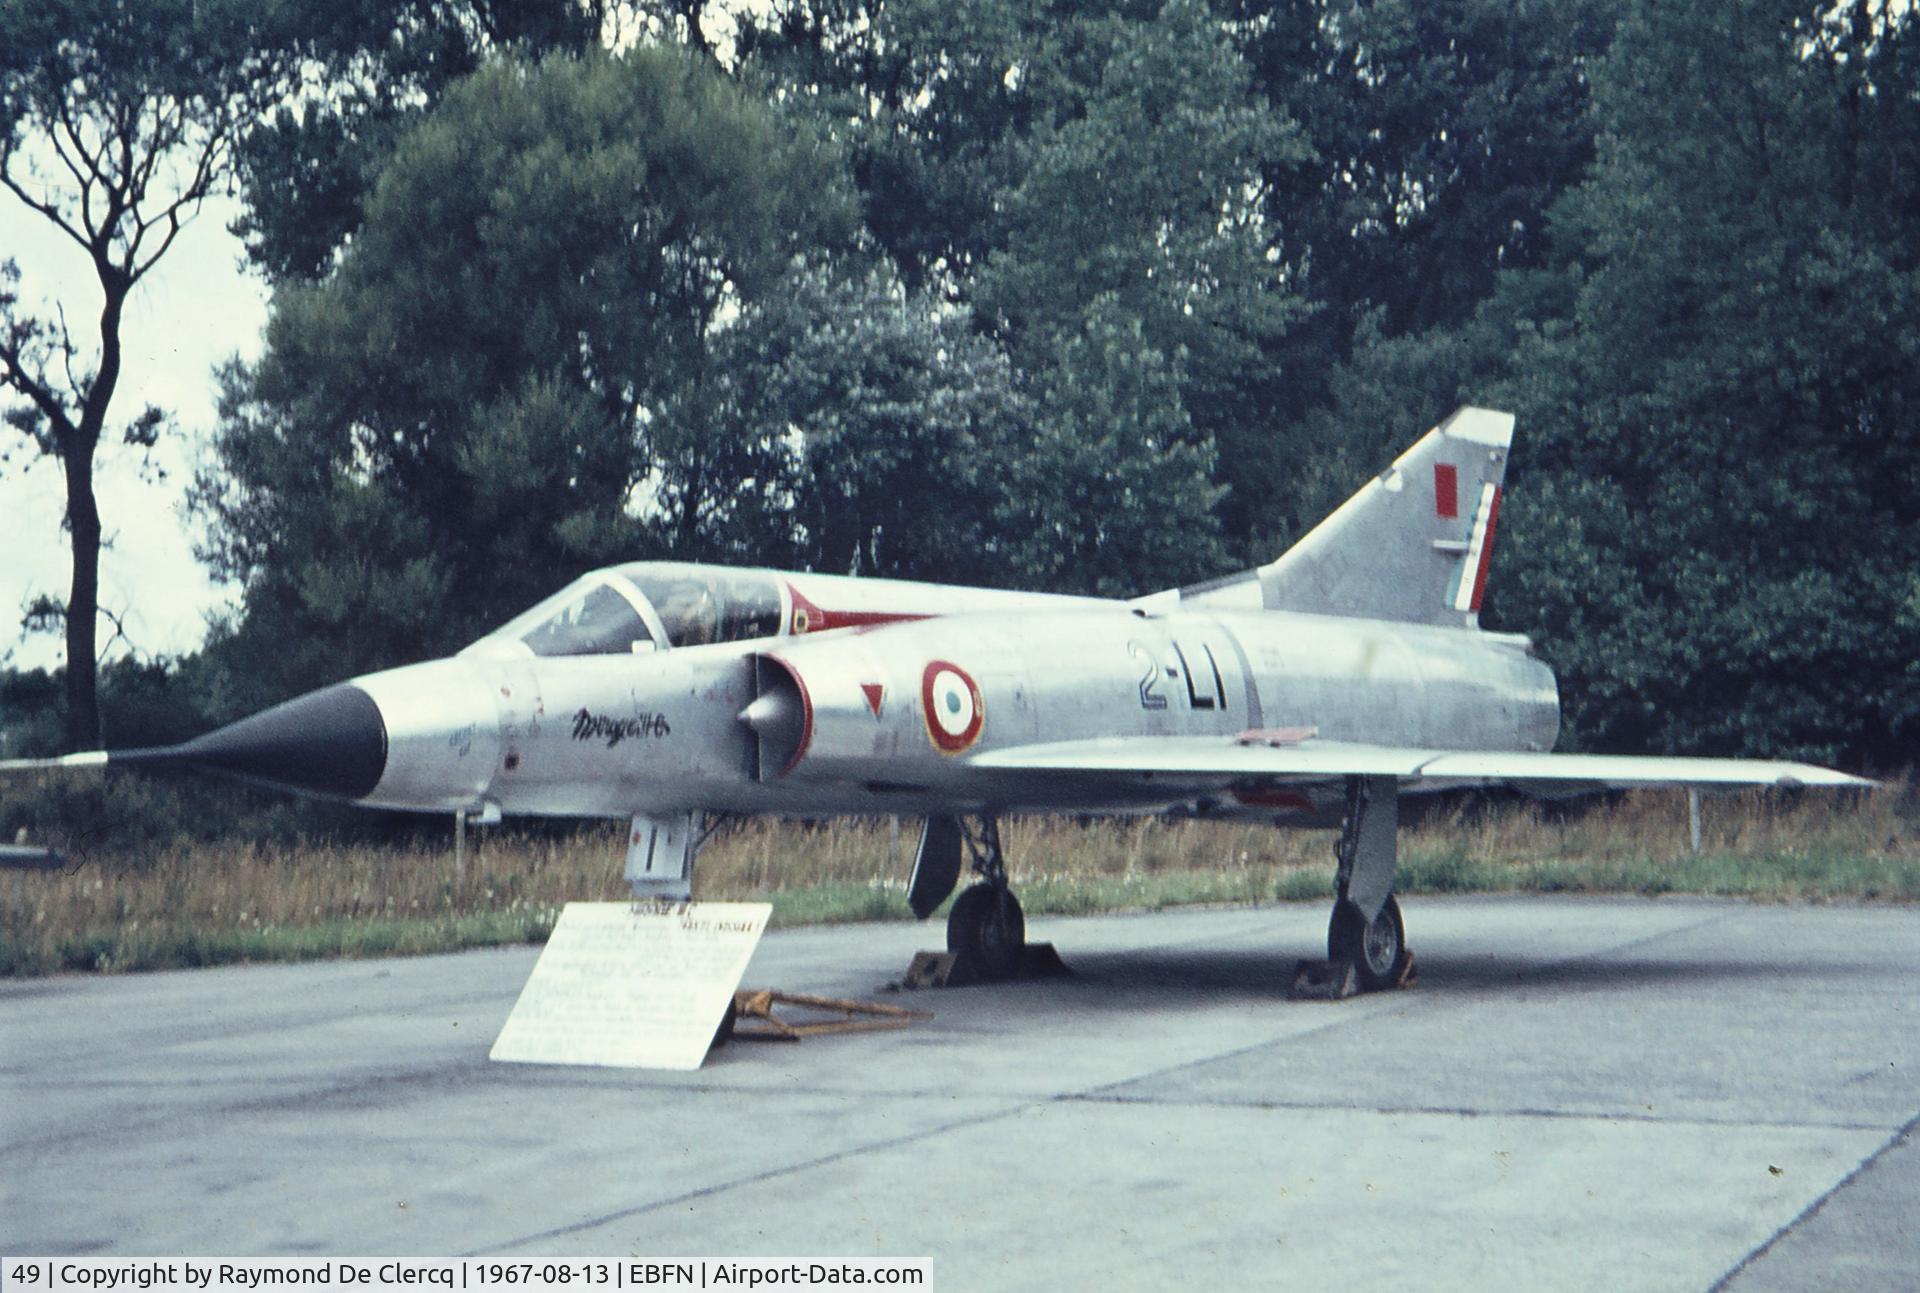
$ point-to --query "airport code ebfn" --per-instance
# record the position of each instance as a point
(428, 1274)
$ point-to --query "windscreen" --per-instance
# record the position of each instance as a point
(609, 612)
(596, 621)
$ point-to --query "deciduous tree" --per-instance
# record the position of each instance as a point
(843, 423)
(116, 123)
(1725, 425)
(456, 418)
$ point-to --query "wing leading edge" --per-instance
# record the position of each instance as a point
(1417, 769)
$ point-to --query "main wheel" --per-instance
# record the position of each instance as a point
(987, 932)
(1377, 950)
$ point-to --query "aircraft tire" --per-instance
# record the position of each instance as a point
(987, 932)
(1378, 952)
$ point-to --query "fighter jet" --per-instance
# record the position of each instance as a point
(1313, 691)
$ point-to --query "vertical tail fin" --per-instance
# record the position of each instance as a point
(1414, 544)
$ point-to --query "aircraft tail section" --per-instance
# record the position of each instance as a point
(1413, 545)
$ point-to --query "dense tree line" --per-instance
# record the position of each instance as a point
(1094, 297)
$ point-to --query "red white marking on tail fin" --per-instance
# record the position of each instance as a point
(1473, 587)
(1446, 490)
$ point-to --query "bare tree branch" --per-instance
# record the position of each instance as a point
(86, 166)
(51, 212)
(190, 195)
(66, 348)
(119, 634)
(126, 130)
(84, 177)
(140, 173)
(37, 391)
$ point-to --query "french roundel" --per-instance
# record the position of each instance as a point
(954, 710)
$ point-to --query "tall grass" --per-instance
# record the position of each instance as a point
(202, 904)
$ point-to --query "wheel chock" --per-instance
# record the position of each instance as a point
(928, 970)
(1409, 977)
(1041, 961)
(1331, 981)
(943, 970)
(1325, 981)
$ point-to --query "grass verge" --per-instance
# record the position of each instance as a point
(207, 905)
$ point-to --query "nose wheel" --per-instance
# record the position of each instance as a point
(987, 933)
(986, 930)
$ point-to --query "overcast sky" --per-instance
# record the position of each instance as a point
(195, 309)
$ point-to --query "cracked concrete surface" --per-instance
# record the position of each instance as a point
(1582, 1093)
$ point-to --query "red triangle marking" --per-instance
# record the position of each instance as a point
(873, 692)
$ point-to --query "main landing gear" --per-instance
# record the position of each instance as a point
(986, 930)
(1376, 949)
(1366, 931)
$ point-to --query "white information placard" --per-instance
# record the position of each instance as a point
(632, 985)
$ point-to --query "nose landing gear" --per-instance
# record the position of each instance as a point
(986, 930)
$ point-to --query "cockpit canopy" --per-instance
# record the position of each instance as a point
(637, 607)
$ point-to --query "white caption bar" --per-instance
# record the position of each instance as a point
(429, 1274)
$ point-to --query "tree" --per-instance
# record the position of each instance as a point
(1394, 159)
(1442, 133)
(930, 100)
(1114, 494)
(371, 69)
(1142, 197)
(116, 122)
(845, 424)
(1725, 421)
(457, 418)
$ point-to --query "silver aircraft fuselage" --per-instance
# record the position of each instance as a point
(890, 713)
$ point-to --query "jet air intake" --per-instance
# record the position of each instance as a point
(834, 711)
(781, 717)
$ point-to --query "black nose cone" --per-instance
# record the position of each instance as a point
(331, 742)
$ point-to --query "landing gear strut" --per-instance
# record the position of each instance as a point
(986, 930)
(1366, 931)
